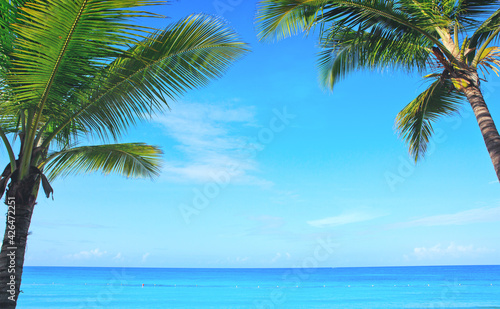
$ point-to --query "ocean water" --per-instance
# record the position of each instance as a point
(377, 287)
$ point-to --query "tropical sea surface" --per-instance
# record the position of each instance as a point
(368, 287)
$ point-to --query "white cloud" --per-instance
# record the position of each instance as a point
(118, 256)
(453, 250)
(211, 140)
(280, 256)
(242, 259)
(343, 219)
(96, 253)
(477, 215)
(276, 257)
(145, 256)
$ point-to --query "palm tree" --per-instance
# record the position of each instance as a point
(450, 40)
(73, 71)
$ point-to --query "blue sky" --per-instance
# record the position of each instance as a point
(263, 168)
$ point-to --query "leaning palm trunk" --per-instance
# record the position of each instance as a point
(486, 124)
(20, 199)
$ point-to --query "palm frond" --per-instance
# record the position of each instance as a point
(473, 11)
(283, 18)
(130, 160)
(10, 152)
(484, 31)
(490, 60)
(349, 50)
(9, 15)
(186, 55)
(9, 116)
(410, 17)
(64, 44)
(414, 122)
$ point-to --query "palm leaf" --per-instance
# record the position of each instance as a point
(9, 15)
(485, 29)
(130, 160)
(474, 9)
(414, 122)
(62, 45)
(184, 56)
(348, 50)
(284, 18)
(490, 60)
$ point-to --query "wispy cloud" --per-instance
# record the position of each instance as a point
(96, 253)
(478, 215)
(276, 257)
(240, 259)
(280, 256)
(343, 219)
(453, 250)
(213, 140)
(232, 261)
(145, 256)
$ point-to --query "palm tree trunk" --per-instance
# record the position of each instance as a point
(21, 201)
(486, 124)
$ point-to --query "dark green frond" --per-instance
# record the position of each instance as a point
(414, 122)
(130, 160)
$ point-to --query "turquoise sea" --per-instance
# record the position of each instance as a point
(370, 287)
